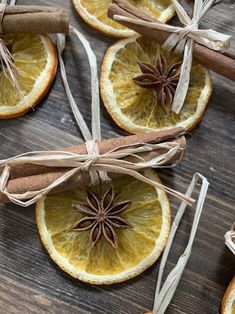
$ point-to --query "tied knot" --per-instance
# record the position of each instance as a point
(177, 40)
(193, 26)
(90, 161)
(93, 153)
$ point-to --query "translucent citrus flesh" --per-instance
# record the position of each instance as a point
(139, 105)
(30, 60)
(134, 244)
(98, 8)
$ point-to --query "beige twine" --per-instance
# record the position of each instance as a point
(182, 40)
(110, 161)
(93, 151)
(164, 295)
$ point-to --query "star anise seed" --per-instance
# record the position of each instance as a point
(101, 217)
(161, 78)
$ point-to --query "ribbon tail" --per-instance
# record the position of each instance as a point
(153, 25)
(182, 14)
(211, 39)
(206, 6)
(183, 84)
(32, 196)
(138, 176)
(95, 105)
(77, 114)
(163, 297)
(197, 9)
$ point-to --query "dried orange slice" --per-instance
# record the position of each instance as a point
(36, 61)
(134, 108)
(228, 304)
(95, 14)
(138, 246)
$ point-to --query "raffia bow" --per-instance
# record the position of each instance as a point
(183, 38)
(93, 163)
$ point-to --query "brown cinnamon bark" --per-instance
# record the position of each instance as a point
(35, 19)
(33, 178)
(220, 63)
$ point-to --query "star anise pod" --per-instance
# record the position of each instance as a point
(161, 78)
(102, 217)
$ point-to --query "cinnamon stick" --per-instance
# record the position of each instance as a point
(35, 19)
(33, 177)
(104, 147)
(220, 63)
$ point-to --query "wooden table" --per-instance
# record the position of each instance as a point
(32, 283)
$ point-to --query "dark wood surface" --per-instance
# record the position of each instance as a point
(32, 283)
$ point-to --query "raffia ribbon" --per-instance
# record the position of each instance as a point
(93, 162)
(93, 150)
(182, 40)
(164, 294)
(230, 239)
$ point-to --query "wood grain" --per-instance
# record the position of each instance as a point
(31, 283)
